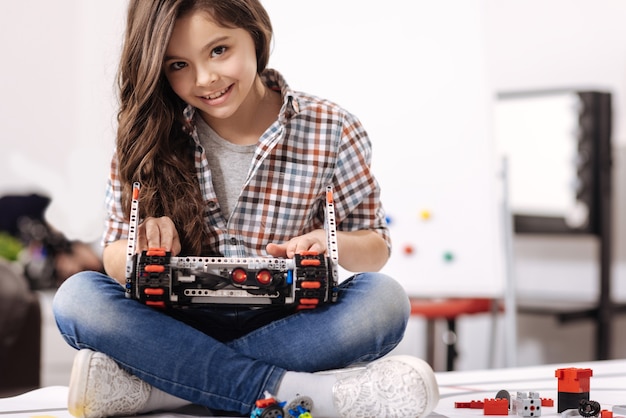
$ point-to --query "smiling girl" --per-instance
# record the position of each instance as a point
(235, 163)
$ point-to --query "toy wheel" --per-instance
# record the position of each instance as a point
(504, 394)
(304, 401)
(589, 408)
(272, 411)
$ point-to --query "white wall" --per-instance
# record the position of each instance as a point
(57, 122)
(57, 105)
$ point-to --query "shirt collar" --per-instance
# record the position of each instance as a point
(275, 81)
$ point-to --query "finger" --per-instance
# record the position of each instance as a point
(276, 250)
(153, 233)
(158, 233)
(168, 234)
(176, 247)
(141, 243)
(307, 245)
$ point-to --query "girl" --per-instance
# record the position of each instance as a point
(233, 162)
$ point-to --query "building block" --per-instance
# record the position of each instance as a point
(496, 407)
(527, 405)
(470, 405)
(573, 380)
(573, 387)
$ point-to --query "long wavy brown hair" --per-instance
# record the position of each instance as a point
(153, 144)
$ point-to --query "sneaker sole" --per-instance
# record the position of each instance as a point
(426, 403)
(78, 383)
(427, 374)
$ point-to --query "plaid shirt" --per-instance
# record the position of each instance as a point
(312, 144)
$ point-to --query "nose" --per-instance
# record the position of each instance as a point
(205, 75)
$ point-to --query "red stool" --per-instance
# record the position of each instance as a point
(448, 309)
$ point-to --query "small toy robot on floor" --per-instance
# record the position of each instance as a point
(269, 407)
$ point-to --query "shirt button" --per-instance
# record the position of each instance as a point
(233, 241)
(212, 205)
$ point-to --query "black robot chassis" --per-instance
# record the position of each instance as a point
(156, 278)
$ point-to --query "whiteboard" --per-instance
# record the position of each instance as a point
(545, 183)
(415, 74)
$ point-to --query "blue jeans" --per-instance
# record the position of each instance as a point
(225, 358)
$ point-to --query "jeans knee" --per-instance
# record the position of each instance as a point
(84, 307)
(78, 295)
(376, 304)
(65, 294)
(384, 294)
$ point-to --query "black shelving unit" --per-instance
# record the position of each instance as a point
(594, 172)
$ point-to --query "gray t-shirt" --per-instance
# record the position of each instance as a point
(229, 164)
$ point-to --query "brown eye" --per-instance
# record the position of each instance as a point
(220, 50)
(177, 66)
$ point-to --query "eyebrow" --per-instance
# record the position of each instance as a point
(209, 45)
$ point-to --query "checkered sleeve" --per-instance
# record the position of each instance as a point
(357, 192)
(116, 225)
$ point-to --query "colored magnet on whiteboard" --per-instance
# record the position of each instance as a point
(425, 215)
(408, 249)
(388, 220)
(448, 256)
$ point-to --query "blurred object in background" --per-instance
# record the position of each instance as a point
(20, 332)
(46, 256)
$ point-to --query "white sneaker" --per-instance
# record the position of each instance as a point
(392, 387)
(100, 388)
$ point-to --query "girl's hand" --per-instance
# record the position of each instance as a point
(158, 233)
(313, 241)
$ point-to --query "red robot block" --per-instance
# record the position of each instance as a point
(573, 380)
(573, 387)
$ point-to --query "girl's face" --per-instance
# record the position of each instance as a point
(211, 67)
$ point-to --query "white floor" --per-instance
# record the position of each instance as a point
(607, 388)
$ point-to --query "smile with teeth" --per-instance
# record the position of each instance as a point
(216, 95)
